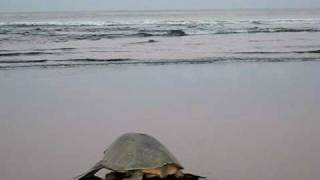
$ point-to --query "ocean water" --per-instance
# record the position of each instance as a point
(234, 95)
(95, 38)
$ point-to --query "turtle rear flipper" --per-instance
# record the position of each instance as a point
(116, 176)
(137, 175)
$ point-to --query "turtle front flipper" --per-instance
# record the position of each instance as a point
(135, 175)
(191, 177)
(93, 177)
(91, 172)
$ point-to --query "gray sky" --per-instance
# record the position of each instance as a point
(56, 5)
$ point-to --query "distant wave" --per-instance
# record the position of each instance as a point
(53, 51)
(171, 32)
(21, 61)
(95, 60)
(66, 60)
(103, 62)
(25, 54)
(277, 29)
(314, 51)
(56, 49)
(277, 52)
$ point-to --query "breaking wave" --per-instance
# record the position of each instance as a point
(97, 30)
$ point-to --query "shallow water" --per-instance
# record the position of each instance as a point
(226, 121)
(51, 39)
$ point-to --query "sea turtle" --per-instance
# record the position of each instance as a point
(135, 156)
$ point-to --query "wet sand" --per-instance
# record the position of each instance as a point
(226, 121)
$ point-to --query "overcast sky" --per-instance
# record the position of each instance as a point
(63, 5)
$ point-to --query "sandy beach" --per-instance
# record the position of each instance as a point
(226, 121)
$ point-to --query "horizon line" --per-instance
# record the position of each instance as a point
(159, 10)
